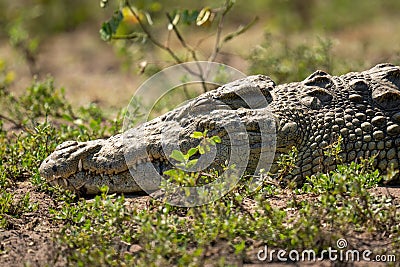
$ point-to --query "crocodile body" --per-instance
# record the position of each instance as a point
(361, 107)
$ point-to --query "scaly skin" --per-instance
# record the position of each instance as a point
(363, 108)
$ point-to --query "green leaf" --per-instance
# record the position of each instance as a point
(191, 152)
(191, 163)
(239, 247)
(207, 148)
(201, 150)
(170, 173)
(178, 156)
(197, 135)
(67, 117)
(216, 139)
(110, 27)
(188, 17)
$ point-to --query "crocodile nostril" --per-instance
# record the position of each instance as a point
(54, 168)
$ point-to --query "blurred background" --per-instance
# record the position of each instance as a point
(290, 39)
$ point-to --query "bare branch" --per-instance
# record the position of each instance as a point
(15, 123)
(191, 51)
(151, 37)
(134, 35)
(239, 31)
(181, 39)
(218, 43)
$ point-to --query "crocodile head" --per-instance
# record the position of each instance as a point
(143, 151)
(363, 108)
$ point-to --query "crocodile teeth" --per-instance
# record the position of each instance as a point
(65, 182)
(80, 165)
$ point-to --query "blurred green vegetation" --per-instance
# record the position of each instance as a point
(27, 24)
(52, 16)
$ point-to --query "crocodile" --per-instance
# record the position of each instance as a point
(363, 108)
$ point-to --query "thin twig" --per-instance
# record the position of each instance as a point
(217, 45)
(134, 35)
(239, 31)
(191, 51)
(216, 49)
(200, 41)
(151, 37)
(16, 124)
(160, 45)
(180, 38)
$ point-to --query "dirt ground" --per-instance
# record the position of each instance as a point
(29, 240)
(90, 71)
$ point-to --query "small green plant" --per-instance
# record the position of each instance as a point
(202, 148)
(92, 228)
(334, 149)
(10, 207)
(287, 162)
(344, 196)
(186, 164)
(346, 178)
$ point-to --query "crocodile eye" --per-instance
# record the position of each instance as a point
(386, 97)
(319, 79)
(387, 94)
(359, 85)
(393, 76)
(316, 98)
(316, 94)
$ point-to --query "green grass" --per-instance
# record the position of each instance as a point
(9, 206)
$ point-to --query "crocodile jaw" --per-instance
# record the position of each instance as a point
(86, 166)
(78, 166)
(140, 152)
